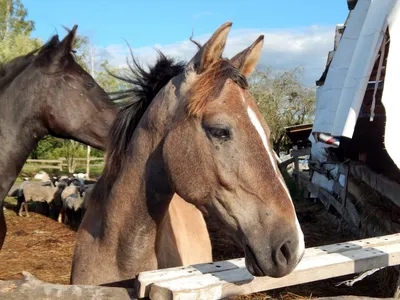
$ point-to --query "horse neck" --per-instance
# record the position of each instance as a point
(139, 198)
(20, 131)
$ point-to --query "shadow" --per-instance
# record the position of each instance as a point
(365, 259)
(129, 285)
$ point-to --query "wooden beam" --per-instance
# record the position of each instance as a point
(301, 152)
(43, 161)
(285, 163)
(378, 182)
(30, 287)
(227, 278)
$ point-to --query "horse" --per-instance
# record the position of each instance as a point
(204, 139)
(47, 92)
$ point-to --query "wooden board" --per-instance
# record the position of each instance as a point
(239, 281)
(227, 278)
(31, 288)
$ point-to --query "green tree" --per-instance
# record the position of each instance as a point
(70, 150)
(108, 82)
(12, 19)
(283, 100)
(15, 30)
(82, 56)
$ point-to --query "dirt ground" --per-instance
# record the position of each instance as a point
(44, 247)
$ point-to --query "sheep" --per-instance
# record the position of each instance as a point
(42, 176)
(73, 208)
(72, 203)
(34, 191)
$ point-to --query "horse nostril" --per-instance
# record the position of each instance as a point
(286, 252)
(283, 255)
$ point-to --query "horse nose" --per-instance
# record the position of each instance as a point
(283, 256)
(287, 254)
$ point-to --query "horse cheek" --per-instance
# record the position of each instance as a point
(186, 163)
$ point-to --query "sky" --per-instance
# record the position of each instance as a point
(297, 32)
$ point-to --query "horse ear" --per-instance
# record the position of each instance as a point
(247, 60)
(66, 45)
(211, 51)
(54, 41)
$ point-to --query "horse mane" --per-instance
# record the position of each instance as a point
(145, 86)
(9, 70)
(210, 84)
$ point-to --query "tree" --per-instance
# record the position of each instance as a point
(15, 30)
(82, 46)
(107, 81)
(70, 151)
(12, 19)
(283, 100)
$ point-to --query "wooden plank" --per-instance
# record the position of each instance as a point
(43, 161)
(91, 159)
(44, 167)
(378, 182)
(353, 245)
(239, 281)
(301, 152)
(146, 279)
(29, 288)
(285, 163)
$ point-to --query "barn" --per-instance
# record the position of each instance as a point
(355, 153)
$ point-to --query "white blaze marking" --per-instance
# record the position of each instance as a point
(257, 125)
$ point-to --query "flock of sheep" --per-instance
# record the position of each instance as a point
(63, 197)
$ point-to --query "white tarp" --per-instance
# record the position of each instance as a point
(390, 98)
(339, 99)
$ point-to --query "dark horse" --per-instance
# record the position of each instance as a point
(47, 92)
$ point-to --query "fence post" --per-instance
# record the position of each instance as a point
(60, 164)
(88, 162)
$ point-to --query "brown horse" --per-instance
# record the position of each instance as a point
(203, 138)
(47, 92)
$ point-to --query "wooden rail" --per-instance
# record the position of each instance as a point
(58, 164)
(228, 278)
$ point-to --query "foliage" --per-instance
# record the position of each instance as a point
(71, 150)
(53, 148)
(12, 19)
(83, 52)
(108, 82)
(15, 30)
(283, 100)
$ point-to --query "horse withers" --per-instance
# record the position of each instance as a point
(47, 92)
(203, 138)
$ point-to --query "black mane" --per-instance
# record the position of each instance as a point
(145, 86)
(11, 69)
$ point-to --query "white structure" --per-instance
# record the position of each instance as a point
(362, 46)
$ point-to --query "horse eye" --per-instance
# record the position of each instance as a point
(220, 133)
(89, 85)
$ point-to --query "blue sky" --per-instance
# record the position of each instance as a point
(295, 29)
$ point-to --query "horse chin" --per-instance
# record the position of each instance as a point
(251, 263)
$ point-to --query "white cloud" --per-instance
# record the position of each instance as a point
(283, 49)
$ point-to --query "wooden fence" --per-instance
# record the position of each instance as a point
(229, 278)
(226, 278)
(61, 163)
